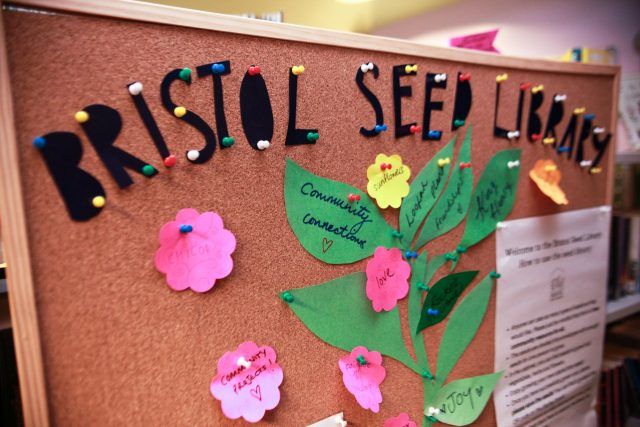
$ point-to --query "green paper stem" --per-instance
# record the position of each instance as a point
(418, 273)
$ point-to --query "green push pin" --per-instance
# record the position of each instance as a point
(458, 122)
(461, 249)
(148, 170)
(494, 275)
(313, 136)
(361, 360)
(185, 74)
(427, 375)
(228, 141)
(423, 287)
(396, 233)
(287, 297)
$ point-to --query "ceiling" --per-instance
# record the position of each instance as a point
(362, 16)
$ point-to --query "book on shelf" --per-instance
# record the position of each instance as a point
(624, 257)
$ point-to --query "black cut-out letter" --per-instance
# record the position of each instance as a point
(462, 103)
(430, 106)
(297, 136)
(191, 118)
(534, 125)
(102, 129)
(223, 69)
(150, 123)
(373, 100)
(556, 113)
(400, 92)
(569, 137)
(255, 109)
(62, 153)
(600, 146)
(498, 131)
(585, 133)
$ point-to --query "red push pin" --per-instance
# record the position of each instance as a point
(415, 129)
(170, 161)
(354, 197)
(254, 70)
(525, 86)
(536, 136)
(464, 77)
(464, 165)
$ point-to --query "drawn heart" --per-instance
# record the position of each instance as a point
(326, 244)
(255, 392)
(479, 390)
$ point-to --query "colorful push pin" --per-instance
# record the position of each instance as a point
(538, 88)
(380, 128)
(185, 74)
(313, 136)
(561, 97)
(82, 116)
(550, 168)
(465, 165)
(434, 134)
(502, 77)
(396, 234)
(589, 116)
(186, 228)
(525, 86)
(513, 134)
(193, 155)
(464, 77)
(287, 297)
(243, 362)
(135, 88)
(548, 140)
(458, 123)
(263, 144)
(361, 360)
(595, 170)
(218, 68)
(254, 70)
(415, 129)
(39, 142)
(536, 136)
(513, 164)
(148, 170)
(579, 110)
(170, 161)
(366, 67)
(451, 256)
(563, 149)
(586, 163)
(411, 68)
(353, 197)
(423, 287)
(433, 311)
(179, 111)
(432, 411)
(438, 78)
(410, 254)
(428, 375)
(598, 130)
(461, 249)
(296, 70)
(445, 161)
(228, 141)
(494, 275)
(98, 201)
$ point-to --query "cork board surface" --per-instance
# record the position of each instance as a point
(121, 348)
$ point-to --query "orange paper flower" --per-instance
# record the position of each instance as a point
(547, 176)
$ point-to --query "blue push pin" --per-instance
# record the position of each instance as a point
(433, 312)
(186, 228)
(380, 128)
(589, 116)
(217, 68)
(434, 134)
(39, 142)
(563, 149)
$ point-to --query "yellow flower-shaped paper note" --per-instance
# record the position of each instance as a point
(547, 176)
(388, 180)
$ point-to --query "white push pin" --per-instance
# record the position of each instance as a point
(586, 163)
(433, 411)
(135, 88)
(500, 225)
(193, 155)
(560, 97)
(440, 77)
(598, 130)
(513, 134)
(263, 144)
(243, 362)
(513, 164)
(366, 67)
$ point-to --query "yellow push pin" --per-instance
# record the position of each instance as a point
(549, 140)
(537, 89)
(595, 170)
(98, 201)
(409, 68)
(297, 70)
(550, 168)
(179, 111)
(445, 161)
(579, 110)
(502, 77)
(81, 116)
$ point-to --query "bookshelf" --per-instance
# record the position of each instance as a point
(622, 307)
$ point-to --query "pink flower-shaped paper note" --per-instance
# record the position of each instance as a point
(402, 420)
(362, 374)
(195, 250)
(247, 382)
(387, 278)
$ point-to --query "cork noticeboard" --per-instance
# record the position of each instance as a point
(101, 339)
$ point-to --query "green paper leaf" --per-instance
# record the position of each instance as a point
(493, 197)
(452, 206)
(327, 225)
(461, 402)
(340, 314)
(462, 327)
(418, 272)
(442, 297)
(424, 191)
